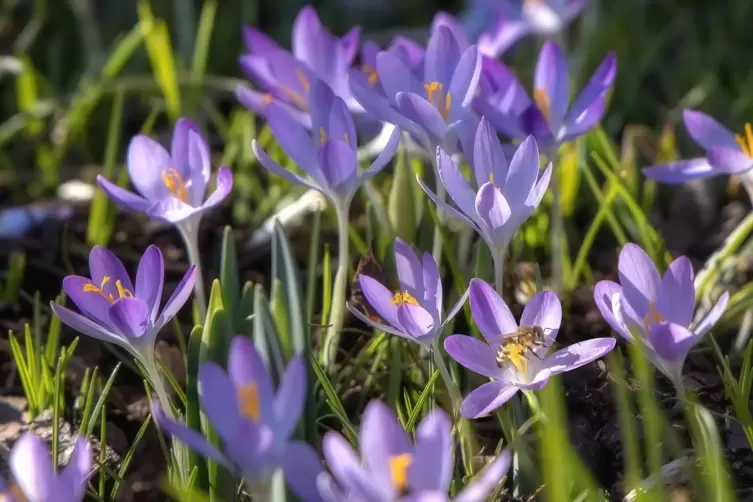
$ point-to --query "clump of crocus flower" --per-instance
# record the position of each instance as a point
(391, 467)
(171, 186)
(35, 476)
(657, 310)
(515, 362)
(254, 422)
(114, 310)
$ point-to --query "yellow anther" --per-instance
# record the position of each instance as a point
(653, 317)
(399, 470)
(302, 79)
(543, 103)
(122, 292)
(322, 135)
(174, 183)
(299, 100)
(516, 355)
(248, 402)
(268, 99)
(402, 297)
(491, 178)
(347, 138)
(14, 494)
(100, 290)
(746, 142)
(371, 72)
(436, 95)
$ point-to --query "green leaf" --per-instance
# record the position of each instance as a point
(229, 275)
(285, 270)
(265, 336)
(193, 407)
(401, 202)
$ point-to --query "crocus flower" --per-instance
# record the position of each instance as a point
(413, 312)
(549, 117)
(35, 477)
(518, 18)
(726, 152)
(113, 310)
(507, 194)
(528, 366)
(285, 78)
(435, 106)
(392, 468)
(659, 310)
(330, 157)
(254, 423)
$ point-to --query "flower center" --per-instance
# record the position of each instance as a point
(399, 470)
(653, 317)
(746, 142)
(323, 136)
(14, 494)
(175, 184)
(541, 98)
(100, 290)
(437, 96)
(371, 72)
(248, 401)
(516, 355)
(402, 297)
(299, 100)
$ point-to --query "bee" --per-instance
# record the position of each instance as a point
(370, 266)
(514, 346)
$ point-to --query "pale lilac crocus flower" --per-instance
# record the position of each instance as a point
(254, 421)
(114, 310)
(34, 475)
(172, 187)
(658, 310)
(525, 369)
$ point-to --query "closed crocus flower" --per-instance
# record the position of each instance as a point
(393, 468)
(515, 362)
(507, 194)
(254, 422)
(726, 152)
(659, 310)
(414, 311)
(35, 477)
(549, 117)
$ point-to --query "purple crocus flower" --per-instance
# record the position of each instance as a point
(113, 310)
(726, 152)
(35, 477)
(285, 78)
(659, 310)
(392, 468)
(507, 194)
(518, 18)
(433, 106)
(526, 367)
(330, 157)
(254, 423)
(415, 311)
(549, 117)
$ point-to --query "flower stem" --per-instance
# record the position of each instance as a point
(498, 257)
(441, 191)
(557, 227)
(452, 389)
(152, 371)
(332, 338)
(191, 240)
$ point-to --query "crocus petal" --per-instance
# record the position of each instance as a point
(378, 105)
(713, 315)
(219, 400)
(346, 468)
(433, 461)
(86, 327)
(244, 367)
(341, 124)
(130, 316)
(534, 123)
(416, 321)
(149, 280)
(490, 312)
(522, 173)
(329, 490)
(681, 171)
(607, 296)
(493, 212)
(291, 396)
(473, 354)
(338, 166)
(377, 325)
(551, 82)
(179, 298)
(487, 398)
(123, 197)
(74, 476)
(444, 206)
(222, 190)
(275, 168)
(384, 157)
(442, 56)
(147, 162)
(455, 183)
(92, 304)
(410, 272)
(306, 28)
(487, 480)
(599, 83)
(292, 138)
(432, 284)
(503, 35)
(454, 26)
(544, 310)
(31, 464)
(194, 440)
(174, 211)
(584, 122)
(381, 300)
(395, 76)
(537, 193)
(489, 161)
(729, 160)
(672, 342)
(639, 278)
(258, 42)
(420, 111)
(382, 437)
(577, 355)
(707, 132)
(103, 263)
(190, 154)
(322, 100)
(466, 76)
(676, 301)
(301, 467)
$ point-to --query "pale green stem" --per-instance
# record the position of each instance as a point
(441, 191)
(332, 338)
(152, 370)
(452, 389)
(190, 236)
(498, 257)
(557, 228)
